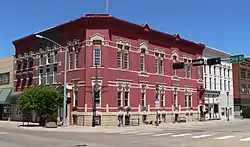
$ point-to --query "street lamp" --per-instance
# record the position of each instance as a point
(227, 106)
(65, 76)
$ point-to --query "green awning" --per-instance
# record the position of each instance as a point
(5, 95)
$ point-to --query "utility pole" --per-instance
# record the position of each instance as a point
(107, 6)
(95, 90)
(227, 106)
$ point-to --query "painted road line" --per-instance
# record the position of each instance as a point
(125, 133)
(201, 136)
(3, 133)
(145, 133)
(180, 135)
(224, 137)
(111, 132)
(163, 134)
(245, 139)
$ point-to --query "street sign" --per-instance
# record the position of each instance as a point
(198, 62)
(237, 58)
(157, 103)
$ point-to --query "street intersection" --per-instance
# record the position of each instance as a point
(212, 134)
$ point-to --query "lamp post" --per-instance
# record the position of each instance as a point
(65, 76)
(227, 106)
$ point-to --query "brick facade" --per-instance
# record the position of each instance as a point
(127, 68)
(241, 81)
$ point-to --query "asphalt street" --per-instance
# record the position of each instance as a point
(226, 134)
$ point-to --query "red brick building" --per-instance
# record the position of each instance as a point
(241, 80)
(132, 61)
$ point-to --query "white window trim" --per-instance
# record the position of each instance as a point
(100, 56)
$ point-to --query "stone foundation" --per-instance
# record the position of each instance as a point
(111, 119)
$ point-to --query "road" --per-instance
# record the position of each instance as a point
(226, 134)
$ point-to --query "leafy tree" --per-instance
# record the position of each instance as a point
(44, 100)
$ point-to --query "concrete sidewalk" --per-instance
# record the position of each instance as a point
(141, 128)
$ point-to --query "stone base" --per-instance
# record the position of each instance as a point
(111, 119)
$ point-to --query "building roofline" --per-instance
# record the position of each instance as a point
(174, 36)
(221, 51)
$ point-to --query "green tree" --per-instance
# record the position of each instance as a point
(44, 100)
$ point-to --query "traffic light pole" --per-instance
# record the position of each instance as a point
(93, 96)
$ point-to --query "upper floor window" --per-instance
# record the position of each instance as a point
(205, 82)
(19, 65)
(214, 70)
(224, 72)
(25, 64)
(205, 69)
(161, 66)
(210, 83)
(77, 60)
(71, 60)
(49, 58)
(156, 62)
(31, 63)
(142, 59)
(248, 75)
(215, 83)
(228, 73)
(97, 52)
(189, 69)
(126, 60)
(220, 84)
(220, 71)
(243, 74)
(174, 70)
(4, 78)
(228, 85)
(225, 85)
(123, 56)
(209, 69)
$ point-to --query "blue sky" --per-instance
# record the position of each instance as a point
(222, 24)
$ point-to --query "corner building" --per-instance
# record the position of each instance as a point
(134, 64)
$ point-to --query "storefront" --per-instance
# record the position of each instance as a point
(5, 103)
(212, 104)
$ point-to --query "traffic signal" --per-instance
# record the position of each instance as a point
(214, 61)
(96, 94)
(179, 65)
(68, 101)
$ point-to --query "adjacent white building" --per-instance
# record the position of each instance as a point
(218, 83)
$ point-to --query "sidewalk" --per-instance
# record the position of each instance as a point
(141, 128)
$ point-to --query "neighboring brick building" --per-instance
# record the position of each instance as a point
(6, 85)
(241, 81)
(132, 61)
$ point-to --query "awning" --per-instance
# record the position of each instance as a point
(5, 95)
